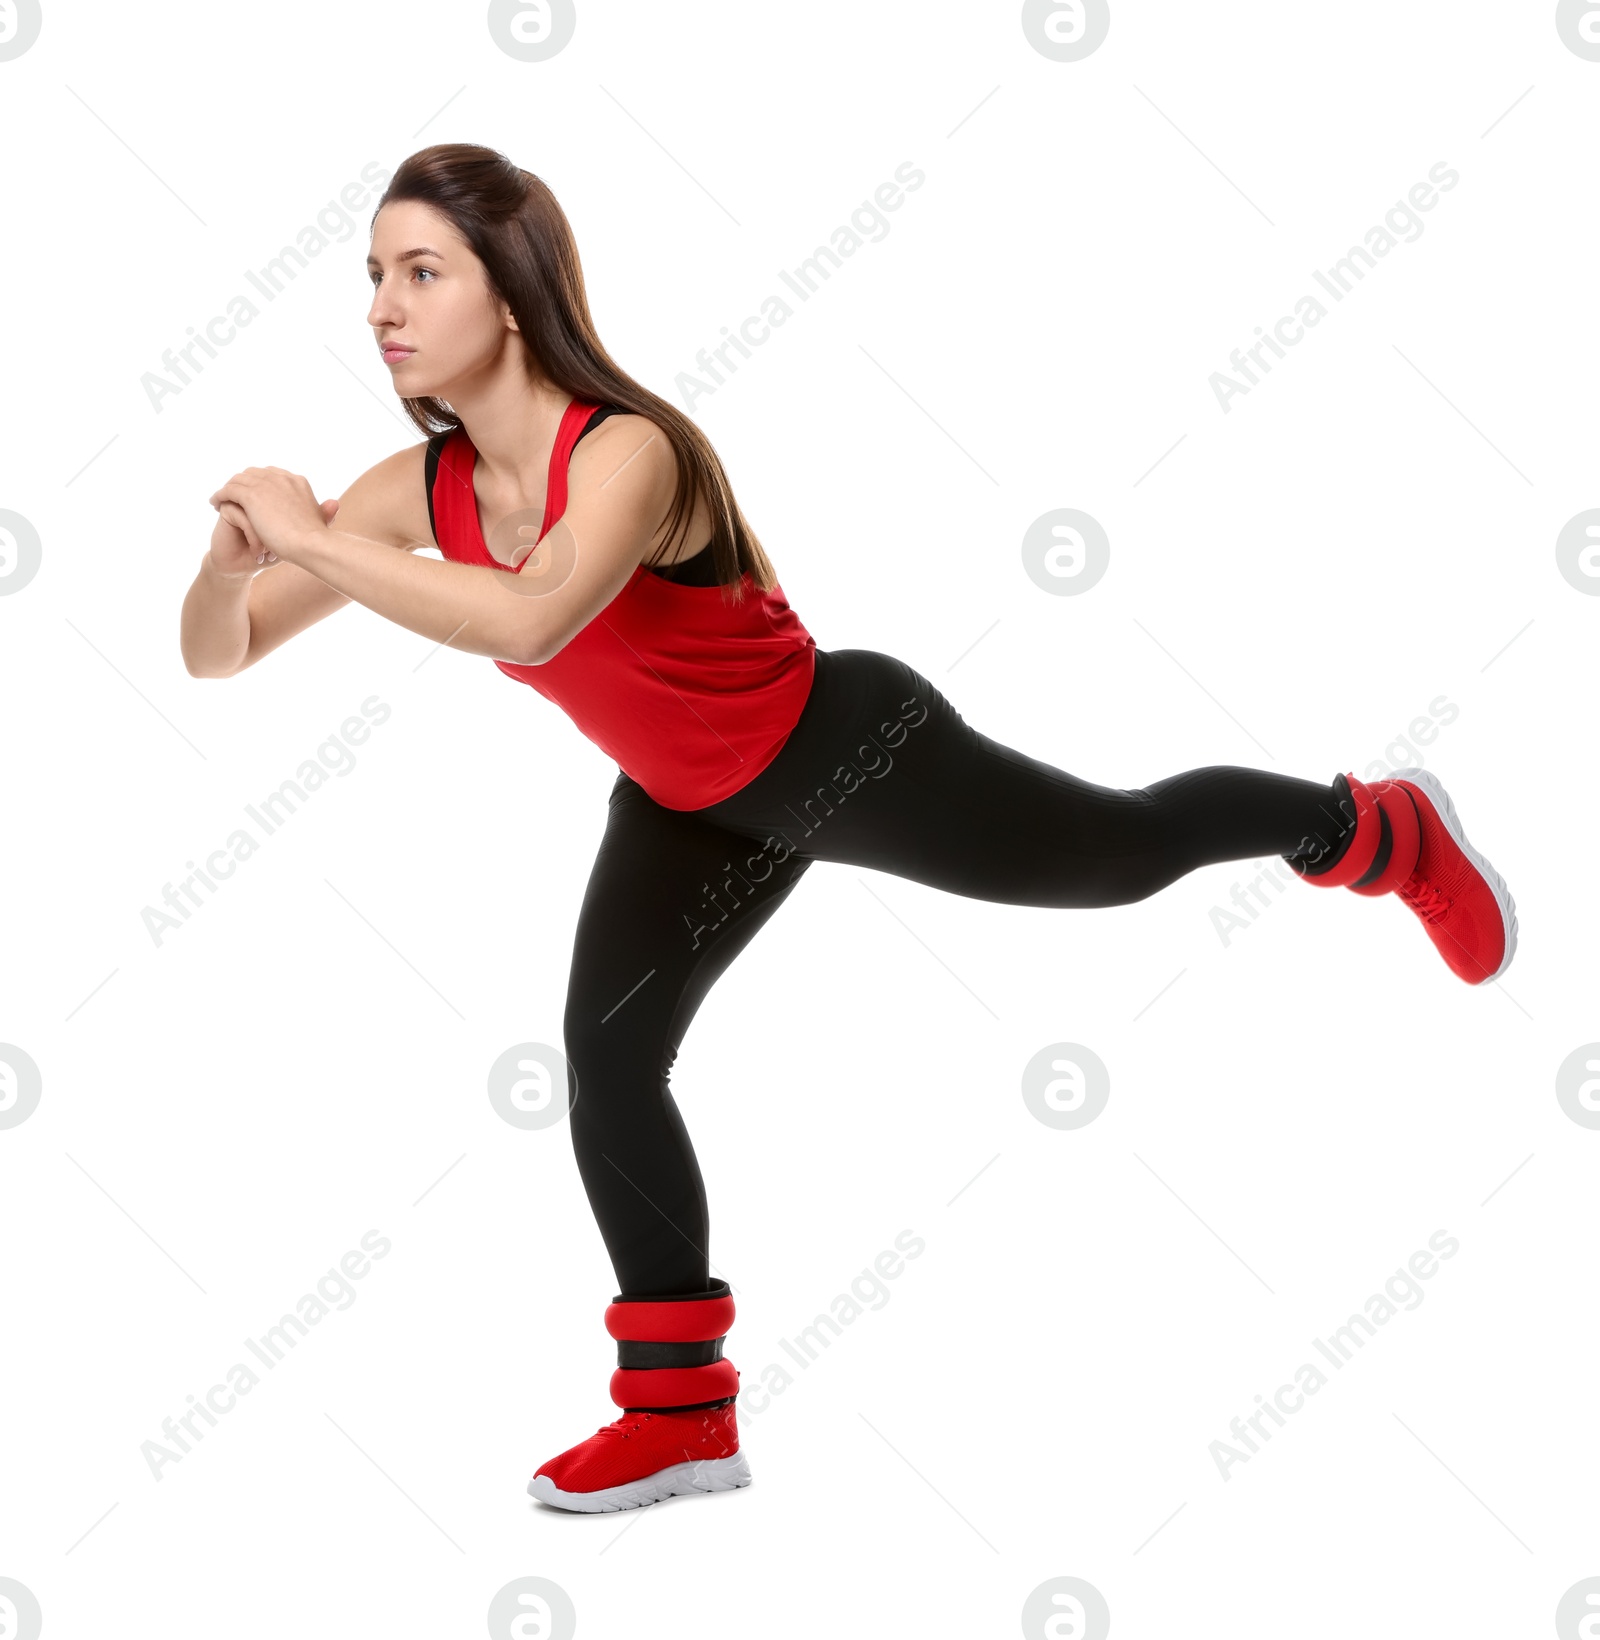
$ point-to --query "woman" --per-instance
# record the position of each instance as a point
(651, 615)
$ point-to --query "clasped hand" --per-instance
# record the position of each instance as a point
(276, 510)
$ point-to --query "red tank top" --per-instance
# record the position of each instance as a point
(691, 696)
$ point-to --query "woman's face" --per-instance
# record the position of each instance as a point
(433, 313)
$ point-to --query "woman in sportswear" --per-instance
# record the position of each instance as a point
(592, 547)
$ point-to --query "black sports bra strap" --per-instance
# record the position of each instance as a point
(599, 416)
(430, 462)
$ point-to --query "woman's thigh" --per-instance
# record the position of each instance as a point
(881, 770)
(670, 902)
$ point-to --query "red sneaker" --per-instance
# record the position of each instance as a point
(1462, 900)
(644, 1457)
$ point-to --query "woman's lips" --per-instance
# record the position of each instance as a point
(393, 355)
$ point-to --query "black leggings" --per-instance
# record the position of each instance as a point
(880, 771)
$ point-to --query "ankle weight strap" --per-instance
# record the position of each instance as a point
(669, 1387)
(671, 1320)
(669, 1350)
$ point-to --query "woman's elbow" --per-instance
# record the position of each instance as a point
(539, 648)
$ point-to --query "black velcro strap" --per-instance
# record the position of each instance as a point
(718, 1288)
(695, 1406)
(1380, 860)
(635, 1353)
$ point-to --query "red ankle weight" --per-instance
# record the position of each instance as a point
(1363, 847)
(1405, 833)
(669, 1350)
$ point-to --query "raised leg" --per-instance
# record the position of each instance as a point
(883, 771)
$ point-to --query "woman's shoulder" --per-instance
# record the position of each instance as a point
(389, 502)
(613, 419)
(613, 436)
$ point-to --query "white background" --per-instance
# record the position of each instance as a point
(227, 1112)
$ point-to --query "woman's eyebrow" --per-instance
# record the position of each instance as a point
(406, 256)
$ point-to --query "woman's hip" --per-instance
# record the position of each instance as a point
(859, 724)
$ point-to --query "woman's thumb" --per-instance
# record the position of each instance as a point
(329, 508)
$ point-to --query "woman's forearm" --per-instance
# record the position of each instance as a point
(214, 627)
(456, 604)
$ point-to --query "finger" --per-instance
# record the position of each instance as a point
(237, 516)
(240, 520)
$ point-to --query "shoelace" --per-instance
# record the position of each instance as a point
(1428, 901)
(625, 1425)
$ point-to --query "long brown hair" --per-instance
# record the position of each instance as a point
(522, 236)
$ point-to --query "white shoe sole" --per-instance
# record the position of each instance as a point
(706, 1475)
(1428, 784)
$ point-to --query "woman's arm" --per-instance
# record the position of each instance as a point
(461, 605)
(283, 601)
(214, 626)
(231, 620)
(525, 617)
